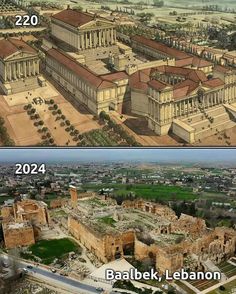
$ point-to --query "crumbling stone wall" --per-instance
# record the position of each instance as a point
(105, 246)
(32, 211)
(189, 225)
(172, 260)
(58, 202)
(157, 209)
(7, 213)
(14, 237)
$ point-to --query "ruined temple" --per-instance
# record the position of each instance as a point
(149, 231)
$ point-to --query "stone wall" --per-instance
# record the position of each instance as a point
(189, 225)
(58, 202)
(105, 247)
(157, 209)
(6, 212)
(22, 236)
(32, 211)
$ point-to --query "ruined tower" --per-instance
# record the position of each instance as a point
(73, 196)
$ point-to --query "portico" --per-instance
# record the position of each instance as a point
(15, 70)
(97, 38)
(82, 30)
(19, 66)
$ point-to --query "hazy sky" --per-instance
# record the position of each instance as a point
(98, 155)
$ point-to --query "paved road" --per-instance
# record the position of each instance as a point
(56, 279)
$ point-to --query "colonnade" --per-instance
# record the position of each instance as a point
(97, 38)
(165, 112)
(21, 69)
(192, 105)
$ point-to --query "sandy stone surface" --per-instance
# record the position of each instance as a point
(23, 135)
(22, 130)
(220, 140)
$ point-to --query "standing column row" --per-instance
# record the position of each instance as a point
(22, 69)
(93, 39)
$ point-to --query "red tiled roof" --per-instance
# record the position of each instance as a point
(139, 79)
(74, 18)
(200, 62)
(173, 52)
(184, 62)
(12, 45)
(158, 85)
(79, 70)
(188, 73)
(222, 69)
(193, 79)
(176, 70)
(121, 75)
(185, 88)
(213, 83)
(193, 61)
(197, 75)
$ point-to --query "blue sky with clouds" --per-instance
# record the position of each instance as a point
(99, 155)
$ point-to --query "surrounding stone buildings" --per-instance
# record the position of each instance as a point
(176, 91)
(149, 231)
(23, 221)
(19, 67)
(77, 40)
(193, 98)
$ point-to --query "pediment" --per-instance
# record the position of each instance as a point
(96, 23)
(196, 91)
(19, 55)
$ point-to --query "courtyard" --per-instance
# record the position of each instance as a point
(12, 109)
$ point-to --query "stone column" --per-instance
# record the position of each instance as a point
(27, 68)
(14, 70)
(34, 67)
(108, 37)
(82, 41)
(105, 37)
(10, 71)
(86, 41)
(31, 67)
(95, 38)
(112, 36)
(100, 38)
(90, 40)
(18, 69)
(24, 69)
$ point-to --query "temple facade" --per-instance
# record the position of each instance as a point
(19, 66)
(82, 31)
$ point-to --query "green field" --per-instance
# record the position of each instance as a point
(48, 250)
(107, 220)
(150, 192)
(58, 213)
(228, 269)
(230, 288)
(4, 198)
